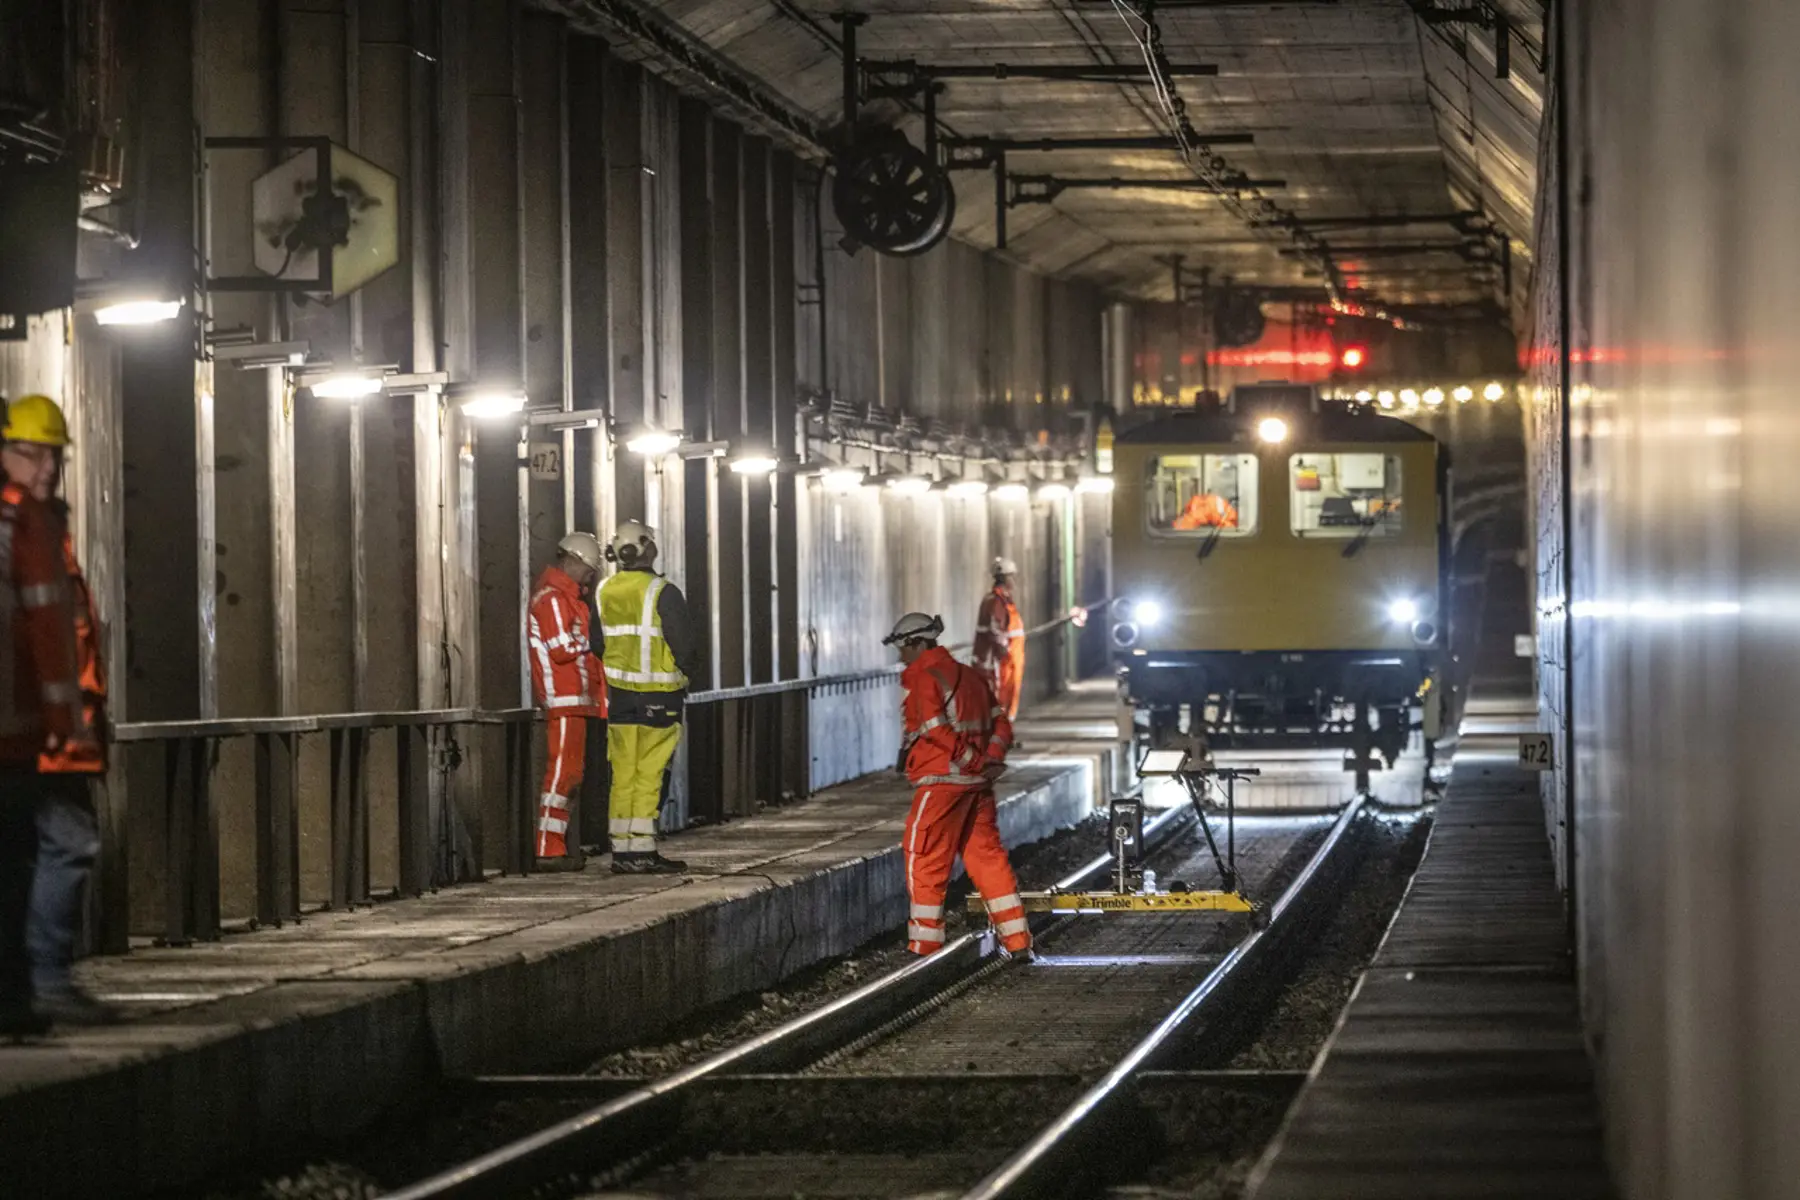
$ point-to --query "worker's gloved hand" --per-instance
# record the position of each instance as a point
(993, 770)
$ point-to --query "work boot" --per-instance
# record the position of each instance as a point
(626, 862)
(656, 864)
(73, 1006)
(562, 862)
(20, 1020)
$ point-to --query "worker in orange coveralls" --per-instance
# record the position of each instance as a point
(49, 745)
(1206, 510)
(568, 684)
(955, 745)
(1000, 639)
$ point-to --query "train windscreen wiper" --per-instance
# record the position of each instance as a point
(1363, 534)
(1212, 539)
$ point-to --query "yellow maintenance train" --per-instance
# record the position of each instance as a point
(1282, 567)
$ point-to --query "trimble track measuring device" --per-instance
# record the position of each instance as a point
(1134, 888)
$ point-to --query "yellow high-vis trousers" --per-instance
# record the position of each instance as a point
(639, 755)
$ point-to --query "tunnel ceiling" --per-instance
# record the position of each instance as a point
(1364, 108)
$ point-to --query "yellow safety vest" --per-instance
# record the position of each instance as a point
(636, 656)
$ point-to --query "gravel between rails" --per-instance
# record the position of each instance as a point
(447, 1124)
(1211, 1135)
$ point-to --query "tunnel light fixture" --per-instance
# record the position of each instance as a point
(1273, 430)
(1463, 394)
(1385, 399)
(754, 463)
(346, 385)
(492, 404)
(968, 489)
(1434, 397)
(1363, 397)
(1012, 491)
(909, 485)
(1493, 392)
(139, 311)
(653, 443)
(842, 480)
(1053, 490)
(1094, 485)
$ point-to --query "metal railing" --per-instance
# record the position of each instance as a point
(747, 747)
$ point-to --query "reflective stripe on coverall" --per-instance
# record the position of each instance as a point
(568, 684)
(955, 728)
(646, 687)
(1000, 647)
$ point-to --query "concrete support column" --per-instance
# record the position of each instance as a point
(495, 230)
(543, 267)
(785, 349)
(627, 190)
(757, 306)
(167, 403)
(725, 538)
(588, 197)
(700, 332)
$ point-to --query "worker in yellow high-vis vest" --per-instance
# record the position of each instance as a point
(648, 652)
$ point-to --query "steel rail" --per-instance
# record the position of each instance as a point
(580, 1142)
(1048, 1164)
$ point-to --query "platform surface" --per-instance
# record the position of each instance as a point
(1458, 1069)
(234, 1046)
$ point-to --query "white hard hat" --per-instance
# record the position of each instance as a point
(630, 541)
(583, 546)
(1005, 566)
(915, 627)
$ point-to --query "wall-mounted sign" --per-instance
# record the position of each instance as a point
(1537, 752)
(546, 460)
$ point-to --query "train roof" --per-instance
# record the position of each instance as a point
(1331, 424)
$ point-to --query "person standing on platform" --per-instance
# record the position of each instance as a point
(50, 744)
(1000, 639)
(568, 684)
(956, 738)
(650, 653)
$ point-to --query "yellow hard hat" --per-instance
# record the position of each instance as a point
(36, 419)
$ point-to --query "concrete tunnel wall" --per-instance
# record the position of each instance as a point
(572, 223)
(1663, 413)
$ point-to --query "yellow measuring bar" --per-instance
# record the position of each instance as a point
(1155, 902)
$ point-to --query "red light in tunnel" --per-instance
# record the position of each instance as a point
(1353, 356)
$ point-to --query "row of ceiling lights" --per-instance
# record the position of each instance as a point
(1431, 397)
(491, 403)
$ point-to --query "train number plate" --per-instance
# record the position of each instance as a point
(1537, 751)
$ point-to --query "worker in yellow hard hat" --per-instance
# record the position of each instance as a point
(54, 747)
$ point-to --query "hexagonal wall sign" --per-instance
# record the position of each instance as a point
(358, 219)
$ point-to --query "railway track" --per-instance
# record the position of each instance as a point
(961, 1074)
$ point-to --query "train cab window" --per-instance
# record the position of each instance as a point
(1202, 495)
(1343, 495)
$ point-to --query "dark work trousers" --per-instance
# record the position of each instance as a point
(48, 842)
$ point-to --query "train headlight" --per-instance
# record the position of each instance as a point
(1124, 635)
(1147, 612)
(1272, 430)
(1403, 611)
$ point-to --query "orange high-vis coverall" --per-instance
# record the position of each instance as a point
(82, 756)
(569, 685)
(42, 710)
(1206, 509)
(955, 728)
(1000, 647)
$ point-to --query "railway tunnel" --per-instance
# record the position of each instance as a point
(356, 309)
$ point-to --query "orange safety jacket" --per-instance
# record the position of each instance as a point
(83, 756)
(42, 709)
(1206, 509)
(954, 727)
(999, 634)
(566, 677)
